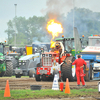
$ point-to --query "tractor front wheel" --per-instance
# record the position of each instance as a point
(37, 78)
(31, 73)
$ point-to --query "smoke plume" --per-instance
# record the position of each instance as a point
(57, 7)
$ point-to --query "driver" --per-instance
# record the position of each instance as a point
(59, 47)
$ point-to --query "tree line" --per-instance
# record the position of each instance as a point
(33, 29)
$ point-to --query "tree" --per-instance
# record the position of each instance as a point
(26, 30)
(34, 28)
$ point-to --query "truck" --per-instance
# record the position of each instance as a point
(54, 62)
(6, 66)
(91, 54)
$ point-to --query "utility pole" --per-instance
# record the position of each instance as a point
(74, 25)
(15, 23)
(73, 18)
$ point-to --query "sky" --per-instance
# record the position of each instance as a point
(29, 8)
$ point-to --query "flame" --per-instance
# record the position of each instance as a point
(55, 28)
(52, 44)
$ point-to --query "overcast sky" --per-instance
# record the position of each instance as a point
(29, 8)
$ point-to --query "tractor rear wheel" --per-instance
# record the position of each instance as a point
(67, 70)
(9, 69)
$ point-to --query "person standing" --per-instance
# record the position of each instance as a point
(79, 68)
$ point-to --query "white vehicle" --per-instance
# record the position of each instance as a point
(27, 65)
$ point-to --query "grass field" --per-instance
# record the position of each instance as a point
(45, 93)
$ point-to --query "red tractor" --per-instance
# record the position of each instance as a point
(57, 62)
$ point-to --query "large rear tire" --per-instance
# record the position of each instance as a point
(67, 70)
(9, 69)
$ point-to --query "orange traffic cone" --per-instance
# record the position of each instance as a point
(67, 88)
(7, 90)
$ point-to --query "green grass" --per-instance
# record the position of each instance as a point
(44, 93)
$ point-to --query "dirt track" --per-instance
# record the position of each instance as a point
(24, 83)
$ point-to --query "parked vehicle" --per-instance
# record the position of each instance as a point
(27, 65)
(91, 54)
(15, 53)
(6, 66)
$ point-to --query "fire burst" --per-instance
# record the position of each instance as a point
(55, 28)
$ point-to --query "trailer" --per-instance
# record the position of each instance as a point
(91, 54)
